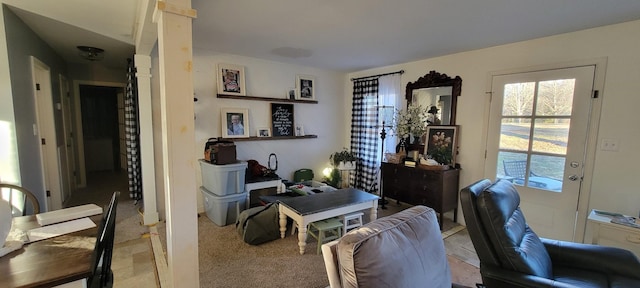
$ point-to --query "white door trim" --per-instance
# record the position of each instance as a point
(44, 128)
(592, 140)
(68, 136)
(78, 127)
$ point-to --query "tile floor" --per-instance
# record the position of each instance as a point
(132, 262)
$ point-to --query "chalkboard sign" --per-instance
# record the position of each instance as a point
(282, 119)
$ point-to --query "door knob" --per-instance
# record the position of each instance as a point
(573, 177)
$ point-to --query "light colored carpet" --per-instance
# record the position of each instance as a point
(226, 261)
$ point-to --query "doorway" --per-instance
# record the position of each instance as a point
(538, 139)
(100, 128)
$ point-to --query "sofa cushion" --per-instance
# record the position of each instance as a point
(402, 250)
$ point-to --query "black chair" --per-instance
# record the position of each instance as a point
(102, 276)
(512, 255)
(515, 171)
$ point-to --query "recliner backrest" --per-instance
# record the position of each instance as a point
(499, 227)
(480, 239)
(517, 246)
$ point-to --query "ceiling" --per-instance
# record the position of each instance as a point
(342, 35)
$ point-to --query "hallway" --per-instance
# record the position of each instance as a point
(132, 263)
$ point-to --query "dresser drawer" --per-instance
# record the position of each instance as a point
(610, 235)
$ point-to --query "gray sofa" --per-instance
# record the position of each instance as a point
(402, 250)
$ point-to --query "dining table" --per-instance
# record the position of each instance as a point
(49, 262)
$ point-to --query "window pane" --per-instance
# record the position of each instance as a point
(518, 99)
(514, 134)
(551, 135)
(510, 167)
(555, 97)
(546, 172)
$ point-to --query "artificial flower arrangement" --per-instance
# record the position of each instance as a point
(411, 121)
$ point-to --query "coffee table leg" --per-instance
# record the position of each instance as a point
(283, 224)
(302, 238)
(374, 211)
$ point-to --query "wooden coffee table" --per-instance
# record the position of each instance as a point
(320, 206)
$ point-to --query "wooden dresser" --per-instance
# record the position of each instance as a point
(437, 189)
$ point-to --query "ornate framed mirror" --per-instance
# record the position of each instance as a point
(439, 91)
(439, 94)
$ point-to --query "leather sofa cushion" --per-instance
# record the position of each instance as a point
(517, 246)
(402, 250)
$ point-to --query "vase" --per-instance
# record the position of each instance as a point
(402, 146)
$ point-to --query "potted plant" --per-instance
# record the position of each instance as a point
(332, 177)
(343, 160)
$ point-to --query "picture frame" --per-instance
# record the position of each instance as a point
(263, 132)
(231, 80)
(282, 120)
(442, 143)
(291, 93)
(234, 122)
(305, 87)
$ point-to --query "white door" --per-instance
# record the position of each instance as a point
(44, 128)
(538, 127)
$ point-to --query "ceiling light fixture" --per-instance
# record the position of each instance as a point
(91, 53)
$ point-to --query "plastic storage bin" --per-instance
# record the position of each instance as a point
(223, 210)
(223, 180)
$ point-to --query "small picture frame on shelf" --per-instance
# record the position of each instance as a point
(305, 87)
(299, 130)
(231, 80)
(263, 132)
(291, 93)
(441, 143)
(235, 122)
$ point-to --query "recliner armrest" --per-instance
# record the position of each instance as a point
(330, 256)
(497, 277)
(609, 260)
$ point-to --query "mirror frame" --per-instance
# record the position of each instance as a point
(435, 79)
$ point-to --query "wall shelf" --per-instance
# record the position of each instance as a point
(267, 99)
(255, 138)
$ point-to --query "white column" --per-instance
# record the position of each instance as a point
(143, 66)
(174, 19)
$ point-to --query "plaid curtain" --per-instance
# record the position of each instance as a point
(132, 134)
(364, 134)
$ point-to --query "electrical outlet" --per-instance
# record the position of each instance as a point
(609, 145)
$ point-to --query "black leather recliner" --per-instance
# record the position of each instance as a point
(512, 255)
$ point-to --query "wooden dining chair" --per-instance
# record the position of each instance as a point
(19, 197)
(102, 276)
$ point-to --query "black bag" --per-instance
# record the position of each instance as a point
(258, 225)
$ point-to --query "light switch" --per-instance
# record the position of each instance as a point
(609, 145)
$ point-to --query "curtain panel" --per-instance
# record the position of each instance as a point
(364, 135)
(132, 134)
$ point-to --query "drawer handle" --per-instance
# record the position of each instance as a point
(633, 239)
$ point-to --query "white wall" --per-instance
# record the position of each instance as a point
(613, 185)
(272, 79)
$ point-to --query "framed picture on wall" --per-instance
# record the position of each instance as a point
(305, 87)
(231, 80)
(235, 122)
(441, 143)
(263, 132)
